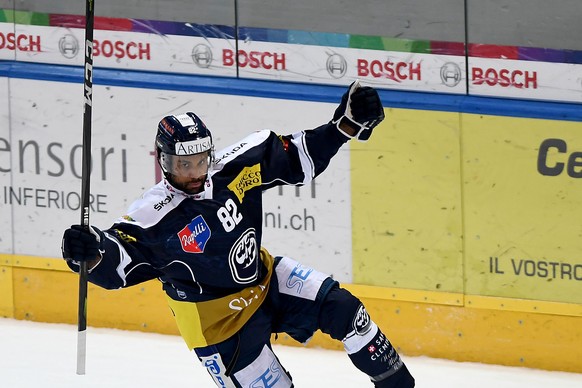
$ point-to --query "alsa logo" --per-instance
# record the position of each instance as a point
(195, 235)
(158, 206)
(248, 178)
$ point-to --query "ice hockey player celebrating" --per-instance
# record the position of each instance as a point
(199, 232)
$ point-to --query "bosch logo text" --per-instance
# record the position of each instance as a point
(20, 42)
(255, 59)
(396, 71)
(520, 79)
(121, 50)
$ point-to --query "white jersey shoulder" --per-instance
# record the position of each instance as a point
(153, 206)
(240, 147)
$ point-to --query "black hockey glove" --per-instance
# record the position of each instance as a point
(362, 108)
(82, 244)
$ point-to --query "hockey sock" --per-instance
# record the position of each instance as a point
(345, 318)
(372, 353)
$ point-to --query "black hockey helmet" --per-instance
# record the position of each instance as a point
(182, 135)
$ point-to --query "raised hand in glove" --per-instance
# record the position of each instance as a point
(83, 244)
(360, 109)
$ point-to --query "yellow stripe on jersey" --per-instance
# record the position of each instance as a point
(213, 321)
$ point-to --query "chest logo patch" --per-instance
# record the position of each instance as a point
(195, 235)
(248, 178)
(244, 258)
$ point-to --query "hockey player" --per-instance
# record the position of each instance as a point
(199, 232)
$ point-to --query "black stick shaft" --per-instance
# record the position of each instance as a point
(85, 182)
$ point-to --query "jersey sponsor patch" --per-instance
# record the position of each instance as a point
(297, 280)
(264, 372)
(160, 205)
(216, 369)
(248, 178)
(195, 235)
(124, 236)
(243, 258)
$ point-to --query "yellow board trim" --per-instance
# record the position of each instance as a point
(371, 292)
(471, 301)
(422, 296)
(473, 334)
(480, 329)
(6, 292)
(23, 261)
(523, 305)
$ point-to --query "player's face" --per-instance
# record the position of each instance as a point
(189, 172)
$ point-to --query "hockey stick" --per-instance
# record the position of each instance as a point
(85, 183)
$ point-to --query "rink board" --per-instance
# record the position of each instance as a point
(458, 230)
(510, 187)
(418, 323)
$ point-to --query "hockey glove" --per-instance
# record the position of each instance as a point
(82, 244)
(361, 108)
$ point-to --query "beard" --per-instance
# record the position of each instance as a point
(191, 186)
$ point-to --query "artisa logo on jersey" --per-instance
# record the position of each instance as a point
(195, 235)
(248, 178)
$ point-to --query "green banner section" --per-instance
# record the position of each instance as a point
(24, 17)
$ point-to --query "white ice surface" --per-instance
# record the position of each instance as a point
(44, 355)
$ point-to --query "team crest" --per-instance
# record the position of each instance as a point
(362, 323)
(243, 258)
(194, 236)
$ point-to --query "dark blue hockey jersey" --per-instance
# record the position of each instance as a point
(206, 248)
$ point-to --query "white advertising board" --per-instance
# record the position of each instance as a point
(114, 49)
(254, 59)
(40, 156)
(5, 176)
(294, 62)
(525, 79)
(340, 66)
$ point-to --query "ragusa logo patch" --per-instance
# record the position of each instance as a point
(195, 235)
(248, 178)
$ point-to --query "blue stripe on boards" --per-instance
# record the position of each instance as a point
(294, 91)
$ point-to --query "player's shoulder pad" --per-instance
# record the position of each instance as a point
(240, 147)
(152, 207)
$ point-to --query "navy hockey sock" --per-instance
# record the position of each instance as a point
(401, 379)
(372, 353)
(366, 345)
